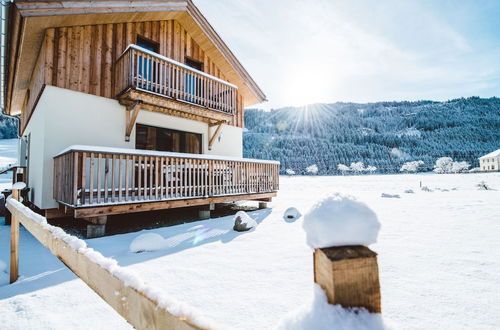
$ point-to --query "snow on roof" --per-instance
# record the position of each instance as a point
(140, 152)
(495, 153)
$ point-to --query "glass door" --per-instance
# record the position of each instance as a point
(145, 65)
(191, 80)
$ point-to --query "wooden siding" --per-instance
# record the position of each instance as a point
(82, 58)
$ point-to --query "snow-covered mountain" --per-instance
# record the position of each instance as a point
(382, 134)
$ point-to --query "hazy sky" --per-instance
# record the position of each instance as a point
(307, 51)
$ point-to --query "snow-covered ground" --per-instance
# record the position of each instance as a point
(8, 155)
(439, 260)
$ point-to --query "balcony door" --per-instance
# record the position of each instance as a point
(145, 65)
(163, 139)
(191, 86)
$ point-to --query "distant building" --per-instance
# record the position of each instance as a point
(490, 162)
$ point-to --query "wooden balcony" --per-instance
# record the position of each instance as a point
(157, 81)
(98, 181)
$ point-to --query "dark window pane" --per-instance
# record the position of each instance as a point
(141, 137)
(193, 143)
(162, 139)
(147, 43)
(194, 64)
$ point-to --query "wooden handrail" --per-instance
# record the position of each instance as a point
(95, 178)
(121, 290)
(140, 69)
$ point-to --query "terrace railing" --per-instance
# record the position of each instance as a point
(141, 69)
(94, 176)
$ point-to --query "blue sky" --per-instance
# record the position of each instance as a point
(303, 52)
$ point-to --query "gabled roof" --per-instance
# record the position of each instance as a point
(28, 20)
(495, 153)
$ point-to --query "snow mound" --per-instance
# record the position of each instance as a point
(19, 185)
(320, 315)
(389, 195)
(409, 191)
(243, 222)
(291, 213)
(147, 243)
(340, 220)
(4, 276)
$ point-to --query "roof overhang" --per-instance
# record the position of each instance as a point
(28, 21)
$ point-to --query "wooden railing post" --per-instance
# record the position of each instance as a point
(349, 276)
(14, 235)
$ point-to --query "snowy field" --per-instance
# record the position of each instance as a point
(439, 260)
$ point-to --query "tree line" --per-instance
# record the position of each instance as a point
(382, 135)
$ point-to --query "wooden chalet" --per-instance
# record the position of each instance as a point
(129, 106)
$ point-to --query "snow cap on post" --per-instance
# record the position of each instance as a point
(340, 220)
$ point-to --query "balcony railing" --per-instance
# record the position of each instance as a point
(144, 70)
(95, 176)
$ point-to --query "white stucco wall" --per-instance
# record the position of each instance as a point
(64, 117)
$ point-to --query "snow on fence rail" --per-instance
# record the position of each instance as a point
(143, 306)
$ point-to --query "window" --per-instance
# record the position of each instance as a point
(163, 139)
(194, 64)
(144, 65)
(148, 44)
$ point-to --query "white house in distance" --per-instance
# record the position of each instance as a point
(490, 162)
(129, 106)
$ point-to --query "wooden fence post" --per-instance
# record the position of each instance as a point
(349, 276)
(14, 235)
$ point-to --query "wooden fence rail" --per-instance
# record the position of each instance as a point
(93, 178)
(130, 300)
(144, 70)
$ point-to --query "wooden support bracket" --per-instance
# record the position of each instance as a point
(131, 116)
(213, 137)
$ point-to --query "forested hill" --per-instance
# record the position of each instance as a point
(382, 134)
(8, 127)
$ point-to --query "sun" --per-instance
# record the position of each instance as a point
(307, 85)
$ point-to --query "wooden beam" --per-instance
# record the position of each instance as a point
(57, 213)
(173, 107)
(131, 117)
(214, 136)
(87, 212)
(215, 123)
(140, 310)
(14, 241)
